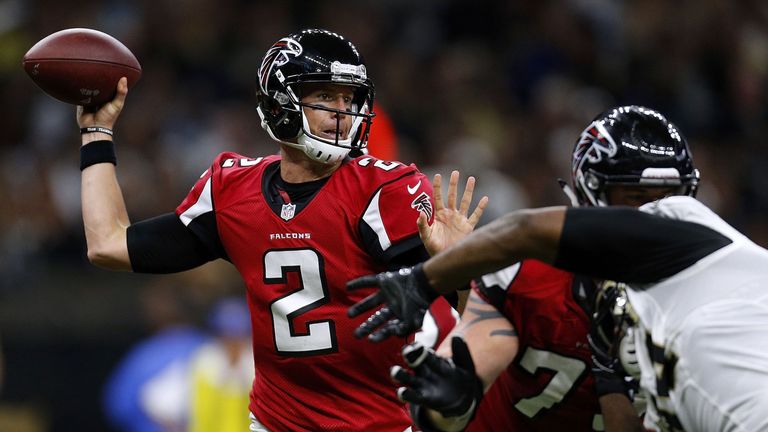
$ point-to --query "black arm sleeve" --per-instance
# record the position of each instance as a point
(415, 255)
(164, 245)
(628, 245)
(409, 257)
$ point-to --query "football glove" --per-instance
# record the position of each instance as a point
(449, 386)
(406, 295)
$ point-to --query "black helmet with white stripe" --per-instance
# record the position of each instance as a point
(313, 56)
(631, 145)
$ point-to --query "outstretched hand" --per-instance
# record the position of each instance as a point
(450, 224)
(406, 294)
(106, 115)
(448, 386)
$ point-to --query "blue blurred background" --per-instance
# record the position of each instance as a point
(499, 89)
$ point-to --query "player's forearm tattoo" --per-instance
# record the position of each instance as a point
(482, 315)
(504, 332)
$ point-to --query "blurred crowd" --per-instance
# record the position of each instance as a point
(498, 89)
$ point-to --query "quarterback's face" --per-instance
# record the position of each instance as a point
(328, 124)
(636, 196)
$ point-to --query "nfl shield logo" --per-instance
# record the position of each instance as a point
(288, 211)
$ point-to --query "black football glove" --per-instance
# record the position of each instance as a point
(448, 386)
(406, 294)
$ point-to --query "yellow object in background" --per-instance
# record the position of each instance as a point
(222, 372)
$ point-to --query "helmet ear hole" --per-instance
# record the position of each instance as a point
(282, 123)
(592, 182)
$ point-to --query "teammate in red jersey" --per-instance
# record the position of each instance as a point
(297, 226)
(527, 324)
(544, 380)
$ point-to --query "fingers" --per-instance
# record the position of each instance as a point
(111, 110)
(369, 302)
(122, 86)
(478, 213)
(414, 354)
(401, 376)
(387, 330)
(466, 197)
(437, 191)
(362, 282)
(122, 92)
(425, 231)
(407, 394)
(382, 317)
(365, 304)
(461, 355)
(453, 186)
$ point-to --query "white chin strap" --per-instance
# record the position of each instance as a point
(324, 150)
(316, 148)
(319, 150)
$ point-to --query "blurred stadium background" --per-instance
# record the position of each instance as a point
(499, 89)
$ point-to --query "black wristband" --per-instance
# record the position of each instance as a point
(97, 152)
(91, 129)
(609, 383)
(420, 418)
(421, 279)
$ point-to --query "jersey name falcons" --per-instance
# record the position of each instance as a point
(548, 386)
(312, 373)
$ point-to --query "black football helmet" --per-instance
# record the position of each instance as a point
(630, 145)
(313, 56)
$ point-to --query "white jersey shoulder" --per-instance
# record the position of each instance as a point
(727, 273)
(696, 316)
(690, 209)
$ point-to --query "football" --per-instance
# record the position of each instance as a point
(81, 66)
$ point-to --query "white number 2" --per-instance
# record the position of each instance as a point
(386, 166)
(320, 336)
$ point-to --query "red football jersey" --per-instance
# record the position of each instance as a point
(548, 386)
(313, 374)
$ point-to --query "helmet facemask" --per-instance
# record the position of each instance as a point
(611, 321)
(330, 150)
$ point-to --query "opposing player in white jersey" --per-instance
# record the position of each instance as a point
(698, 286)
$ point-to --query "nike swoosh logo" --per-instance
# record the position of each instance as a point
(412, 190)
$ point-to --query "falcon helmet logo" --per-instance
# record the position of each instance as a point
(280, 54)
(595, 142)
(422, 203)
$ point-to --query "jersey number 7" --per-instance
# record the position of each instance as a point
(568, 371)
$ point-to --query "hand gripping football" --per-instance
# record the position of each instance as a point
(81, 66)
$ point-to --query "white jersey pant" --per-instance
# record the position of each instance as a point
(256, 425)
(721, 376)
